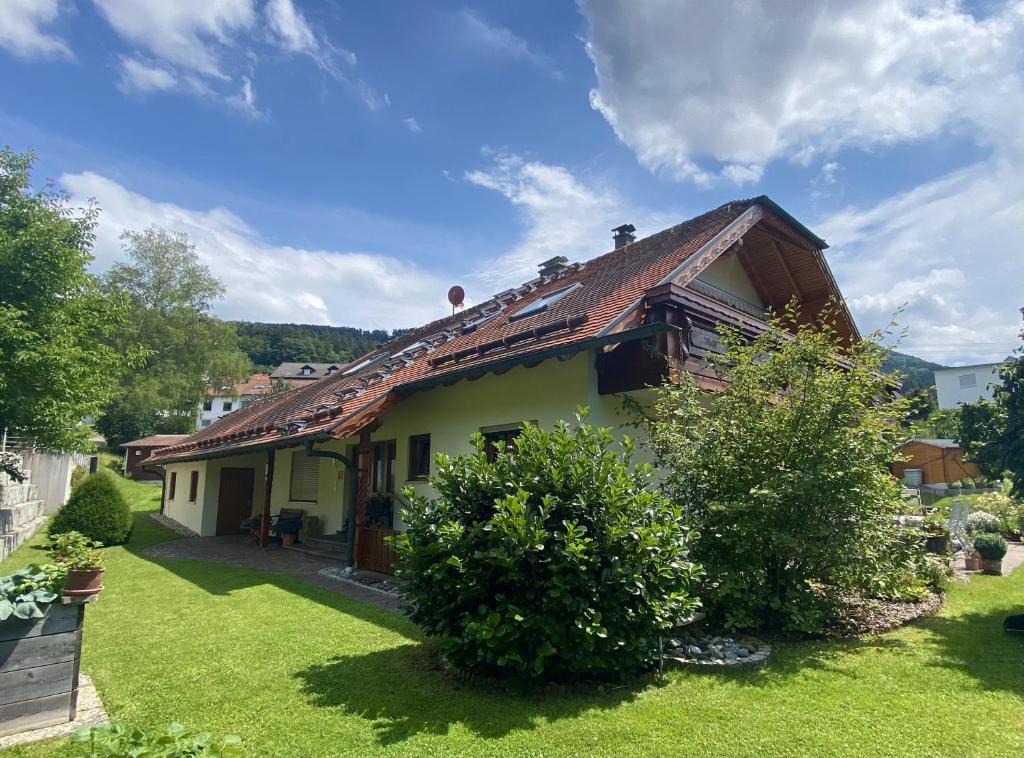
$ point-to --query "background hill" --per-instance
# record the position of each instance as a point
(917, 373)
(270, 344)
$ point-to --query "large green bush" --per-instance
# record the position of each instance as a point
(555, 561)
(784, 476)
(97, 509)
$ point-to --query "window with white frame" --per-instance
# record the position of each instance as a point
(967, 381)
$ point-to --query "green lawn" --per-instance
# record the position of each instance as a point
(295, 670)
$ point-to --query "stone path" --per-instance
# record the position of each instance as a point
(241, 551)
(1014, 557)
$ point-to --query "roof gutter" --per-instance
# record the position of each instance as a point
(198, 455)
(627, 335)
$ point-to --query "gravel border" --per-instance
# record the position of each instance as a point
(174, 526)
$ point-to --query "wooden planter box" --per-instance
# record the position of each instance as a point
(372, 552)
(39, 669)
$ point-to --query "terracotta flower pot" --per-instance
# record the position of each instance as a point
(971, 563)
(83, 582)
(992, 566)
(288, 538)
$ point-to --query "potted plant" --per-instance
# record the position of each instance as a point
(991, 547)
(380, 511)
(971, 560)
(83, 561)
(936, 534)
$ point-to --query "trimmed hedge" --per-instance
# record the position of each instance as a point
(97, 509)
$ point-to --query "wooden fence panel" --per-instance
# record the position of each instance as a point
(372, 552)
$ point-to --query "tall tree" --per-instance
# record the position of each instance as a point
(187, 349)
(57, 365)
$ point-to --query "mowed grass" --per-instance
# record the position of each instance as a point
(299, 671)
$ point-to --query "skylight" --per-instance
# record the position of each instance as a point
(362, 364)
(471, 326)
(543, 303)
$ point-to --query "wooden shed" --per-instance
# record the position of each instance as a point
(940, 461)
(137, 452)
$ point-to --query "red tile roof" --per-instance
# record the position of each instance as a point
(256, 384)
(342, 403)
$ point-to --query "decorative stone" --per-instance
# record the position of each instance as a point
(701, 652)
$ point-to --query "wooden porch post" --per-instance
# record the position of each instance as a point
(265, 520)
(362, 487)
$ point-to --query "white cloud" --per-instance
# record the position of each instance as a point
(139, 76)
(21, 29)
(209, 48)
(952, 250)
(245, 100)
(707, 90)
(190, 34)
(562, 215)
(294, 35)
(412, 125)
(502, 42)
(267, 282)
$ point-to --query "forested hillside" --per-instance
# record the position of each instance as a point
(270, 344)
(917, 373)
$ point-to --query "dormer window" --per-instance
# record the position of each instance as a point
(332, 369)
(306, 371)
(543, 303)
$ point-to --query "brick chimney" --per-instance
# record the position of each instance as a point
(623, 235)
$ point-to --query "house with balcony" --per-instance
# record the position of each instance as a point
(578, 334)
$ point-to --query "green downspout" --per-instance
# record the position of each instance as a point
(353, 477)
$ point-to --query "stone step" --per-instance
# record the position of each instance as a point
(337, 556)
(13, 516)
(15, 494)
(327, 544)
(9, 541)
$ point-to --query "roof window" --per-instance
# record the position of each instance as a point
(543, 303)
(472, 326)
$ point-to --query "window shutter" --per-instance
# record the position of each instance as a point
(305, 478)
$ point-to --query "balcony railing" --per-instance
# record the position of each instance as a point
(727, 298)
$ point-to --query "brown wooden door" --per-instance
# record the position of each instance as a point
(234, 502)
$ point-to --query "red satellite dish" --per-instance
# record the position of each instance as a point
(456, 296)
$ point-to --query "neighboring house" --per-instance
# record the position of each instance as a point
(966, 384)
(227, 399)
(138, 452)
(301, 374)
(581, 334)
(939, 461)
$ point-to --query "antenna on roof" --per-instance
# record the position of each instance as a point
(457, 297)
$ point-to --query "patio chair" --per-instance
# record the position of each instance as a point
(289, 520)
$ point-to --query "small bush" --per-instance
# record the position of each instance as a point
(118, 741)
(990, 546)
(1009, 512)
(982, 521)
(553, 562)
(78, 475)
(97, 509)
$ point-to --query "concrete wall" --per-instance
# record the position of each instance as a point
(51, 474)
(979, 379)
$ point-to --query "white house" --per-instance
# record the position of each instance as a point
(220, 402)
(581, 334)
(966, 384)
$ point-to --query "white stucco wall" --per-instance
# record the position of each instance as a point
(949, 381)
(727, 274)
(179, 508)
(544, 394)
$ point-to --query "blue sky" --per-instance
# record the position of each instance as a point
(343, 162)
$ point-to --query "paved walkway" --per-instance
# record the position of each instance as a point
(1014, 557)
(242, 552)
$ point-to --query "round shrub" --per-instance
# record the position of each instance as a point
(980, 522)
(554, 561)
(97, 509)
(991, 547)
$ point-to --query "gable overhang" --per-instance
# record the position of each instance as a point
(782, 257)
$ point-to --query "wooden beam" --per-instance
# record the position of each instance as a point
(363, 463)
(785, 267)
(747, 261)
(268, 488)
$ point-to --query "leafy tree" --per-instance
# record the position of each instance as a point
(784, 475)
(186, 348)
(57, 365)
(982, 424)
(993, 432)
(267, 345)
(554, 561)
